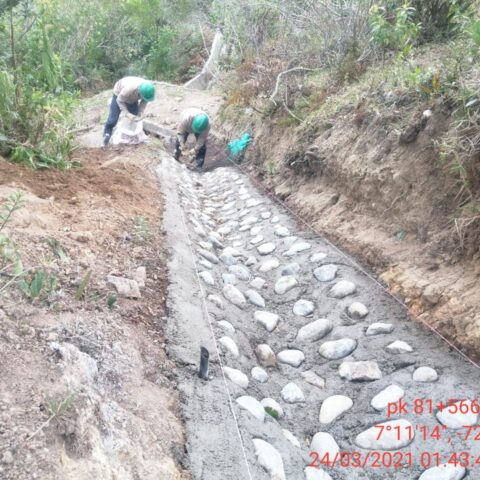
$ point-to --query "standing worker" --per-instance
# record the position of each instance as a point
(194, 121)
(130, 96)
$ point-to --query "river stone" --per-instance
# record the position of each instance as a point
(269, 265)
(447, 471)
(291, 393)
(270, 402)
(229, 205)
(323, 443)
(256, 240)
(228, 259)
(265, 355)
(357, 311)
(259, 374)
(425, 374)
(315, 330)
(399, 347)
(207, 277)
(391, 394)
(236, 376)
(240, 272)
(255, 298)
(200, 231)
(249, 221)
(379, 328)
(289, 241)
(253, 406)
(205, 263)
(315, 473)
(232, 251)
(226, 326)
(257, 283)
(318, 257)
(392, 438)
(297, 248)
(265, 215)
(291, 437)
(237, 244)
(266, 248)
(303, 308)
(229, 279)
(291, 357)
(275, 219)
(458, 420)
(282, 232)
(244, 228)
(313, 379)
(342, 289)
(234, 295)
(290, 269)
(269, 458)
(267, 319)
(285, 284)
(325, 273)
(335, 349)
(254, 231)
(217, 301)
(208, 255)
(360, 371)
(229, 345)
(243, 213)
(224, 230)
(206, 245)
(332, 407)
(253, 203)
(250, 261)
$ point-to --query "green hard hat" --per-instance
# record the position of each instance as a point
(200, 123)
(147, 91)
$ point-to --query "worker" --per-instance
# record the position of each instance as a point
(130, 96)
(196, 121)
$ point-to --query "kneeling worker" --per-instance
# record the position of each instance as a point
(197, 122)
(130, 96)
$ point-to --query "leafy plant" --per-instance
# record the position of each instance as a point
(142, 228)
(15, 202)
(272, 412)
(38, 285)
(111, 300)
(81, 291)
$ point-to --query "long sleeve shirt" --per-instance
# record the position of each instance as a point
(185, 126)
(126, 90)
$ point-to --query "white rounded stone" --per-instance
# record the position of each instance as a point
(240, 272)
(291, 357)
(396, 434)
(391, 394)
(291, 437)
(318, 257)
(452, 416)
(234, 295)
(357, 310)
(265, 355)
(255, 298)
(332, 407)
(229, 279)
(315, 330)
(250, 261)
(290, 269)
(297, 248)
(256, 240)
(259, 374)
(379, 328)
(323, 443)
(342, 289)
(313, 379)
(269, 265)
(291, 393)
(207, 277)
(315, 473)
(282, 231)
(425, 374)
(269, 458)
(236, 376)
(285, 284)
(265, 215)
(257, 283)
(230, 346)
(360, 371)
(253, 406)
(399, 347)
(447, 471)
(217, 301)
(326, 273)
(226, 326)
(335, 349)
(266, 248)
(206, 263)
(303, 308)
(254, 231)
(267, 319)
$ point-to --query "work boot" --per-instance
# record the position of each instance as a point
(106, 139)
(177, 154)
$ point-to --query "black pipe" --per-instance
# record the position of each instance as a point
(203, 372)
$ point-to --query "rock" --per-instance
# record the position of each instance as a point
(206, 245)
(303, 308)
(240, 272)
(275, 219)
(399, 347)
(432, 294)
(250, 261)
(425, 374)
(269, 458)
(315, 330)
(270, 402)
(124, 286)
(379, 328)
(229, 279)
(205, 263)
(257, 283)
(236, 376)
(259, 374)
(313, 379)
(342, 289)
(253, 406)
(217, 301)
(207, 277)
(396, 434)
(140, 276)
(249, 221)
(291, 357)
(314, 473)
(447, 471)
(285, 284)
(323, 443)
(391, 394)
(7, 458)
(360, 371)
(357, 311)
(266, 215)
(266, 248)
(267, 319)
(290, 269)
(228, 259)
(224, 231)
(211, 257)
(215, 241)
(253, 203)
(254, 231)
(255, 298)
(452, 416)
(289, 241)
(230, 346)
(234, 295)
(282, 232)
(269, 265)
(265, 355)
(326, 273)
(226, 326)
(335, 349)
(332, 407)
(237, 244)
(318, 257)
(291, 438)
(256, 240)
(291, 393)
(297, 248)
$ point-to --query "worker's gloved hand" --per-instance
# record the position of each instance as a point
(130, 116)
